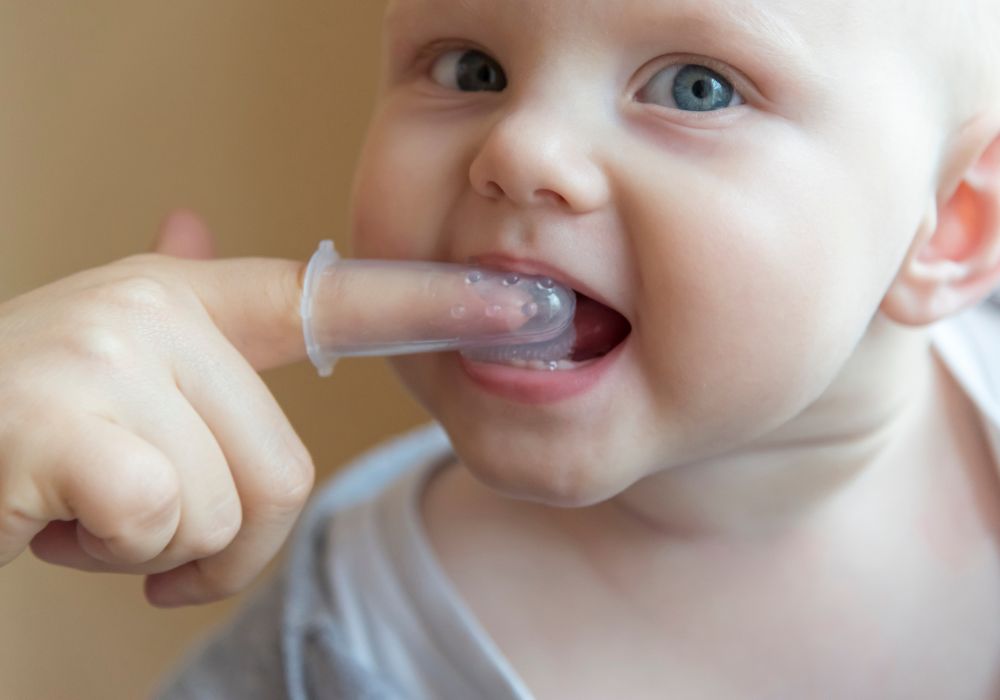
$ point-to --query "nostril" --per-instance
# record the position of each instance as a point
(494, 191)
(551, 196)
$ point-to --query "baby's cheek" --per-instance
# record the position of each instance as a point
(739, 333)
(738, 371)
(375, 226)
(400, 195)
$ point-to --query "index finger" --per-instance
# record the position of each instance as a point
(278, 311)
(255, 302)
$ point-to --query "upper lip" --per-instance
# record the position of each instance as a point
(527, 266)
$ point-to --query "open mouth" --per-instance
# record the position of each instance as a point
(597, 329)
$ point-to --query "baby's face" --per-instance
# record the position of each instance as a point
(740, 181)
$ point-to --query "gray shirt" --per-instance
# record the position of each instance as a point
(362, 609)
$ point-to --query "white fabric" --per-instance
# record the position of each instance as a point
(401, 614)
(970, 346)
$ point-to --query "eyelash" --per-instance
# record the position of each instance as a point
(427, 55)
(651, 69)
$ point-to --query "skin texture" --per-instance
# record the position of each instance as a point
(749, 296)
(777, 452)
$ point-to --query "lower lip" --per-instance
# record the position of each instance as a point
(539, 386)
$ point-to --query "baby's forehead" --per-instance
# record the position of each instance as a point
(807, 23)
(830, 13)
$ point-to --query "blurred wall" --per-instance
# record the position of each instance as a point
(112, 112)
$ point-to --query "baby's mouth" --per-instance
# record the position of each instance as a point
(596, 330)
(599, 329)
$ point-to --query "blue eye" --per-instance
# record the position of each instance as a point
(468, 71)
(690, 88)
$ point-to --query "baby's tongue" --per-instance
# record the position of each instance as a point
(598, 329)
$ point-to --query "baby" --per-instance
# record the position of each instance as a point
(768, 469)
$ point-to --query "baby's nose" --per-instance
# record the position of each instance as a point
(533, 158)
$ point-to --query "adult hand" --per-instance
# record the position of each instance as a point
(135, 433)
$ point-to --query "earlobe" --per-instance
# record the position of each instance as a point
(955, 259)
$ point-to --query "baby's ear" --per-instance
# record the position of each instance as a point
(955, 259)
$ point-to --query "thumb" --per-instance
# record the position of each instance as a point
(184, 234)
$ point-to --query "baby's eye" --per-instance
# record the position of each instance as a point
(468, 70)
(691, 88)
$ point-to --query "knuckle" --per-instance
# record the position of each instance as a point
(215, 538)
(148, 501)
(291, 485)
(20, 507)
(158, 506)
(135, 294)
(111, 321)
(13, 521)
(101, 347)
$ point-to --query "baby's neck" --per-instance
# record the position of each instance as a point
(893, 409)
(818, 564)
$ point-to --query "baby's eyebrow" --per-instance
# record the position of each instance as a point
(767, 45)
(747, 28)
(750, 21)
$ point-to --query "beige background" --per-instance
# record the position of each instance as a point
(112, 112)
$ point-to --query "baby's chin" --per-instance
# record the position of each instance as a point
(566, 457)
(537, 468)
